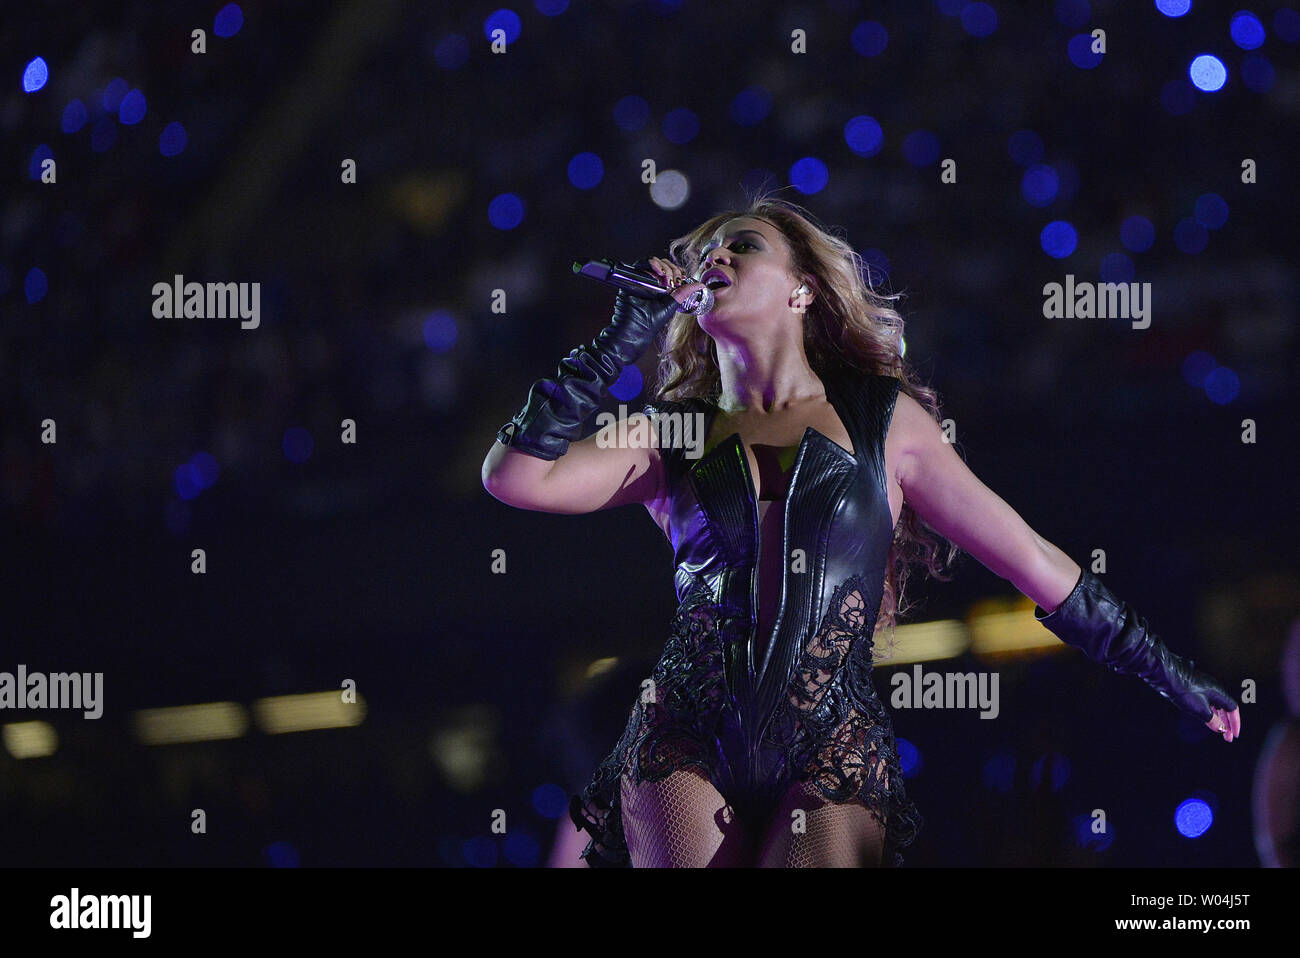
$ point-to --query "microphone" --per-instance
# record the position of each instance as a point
(634, 281)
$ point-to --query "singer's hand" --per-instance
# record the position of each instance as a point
(670, 273)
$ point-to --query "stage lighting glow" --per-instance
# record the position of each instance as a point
(1116, 268)
(923, 642)
(1081, 54)
(503, 19)
(1222, 385)
(35, 75)
(869, 38)
(1246, 30)
(1137, 233)
(1193, 818)
(1085, 835)
(1025, 147)
(680, 126)
(921, 148)
(207, 722)
(550, 801)
(113, 93)
(1190, 236)
(39, 156)
(132, 109)
(480, 852)
(1211, 210)
(297, 444)
(997, 633)
(1197, 366)
(864, 135)
(452, 51)
(1058, 239)
(999, 773)
(103, 134)
(228, 20)
(551, 8)
(440, 331)
(1286, 24)
(187, 480)
(751, 106)
(30, 739)
(600, 667)
(307, 712)
(670, 190)
(1178, 97)
(1051, 770)
(979, 19)
(1073, 14)
(207, 468)
(1257, 73)
(910, 761)
(586, 171)
(628, 385)
(1173, 8)
(522, 849)
(1207, 73)
(35, 286)
(1039, 185)
(282, 855)
(74, 116)
(506, 211)
(172, 140)
(809, 175)
(631, 113)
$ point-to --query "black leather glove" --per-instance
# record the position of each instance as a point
(1109, 631)
(557, 408)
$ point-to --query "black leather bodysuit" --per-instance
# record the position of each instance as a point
(808, 711)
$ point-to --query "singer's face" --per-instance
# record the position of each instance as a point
(754, 257)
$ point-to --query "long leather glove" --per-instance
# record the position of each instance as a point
(557, 408)
(1109, 631)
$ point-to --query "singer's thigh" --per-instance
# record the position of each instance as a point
(681, 822)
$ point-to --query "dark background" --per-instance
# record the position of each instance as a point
(373, 561)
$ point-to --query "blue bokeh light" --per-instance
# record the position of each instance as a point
(452, 51)
(1025, 147)
(869, 38)
(1190, 236)
(1039, 185)
(1081, 53)
(631, 113)
(1286, 24)
(1222, 385)
(39, 156)
(440, 331)
(1085, 837)
(506, 20)
(1173, 8)
(586, 171)
(1207, 73)
(1052, 770)
(228, 20)
(809, 175)
(207, 468)
(74, 116)
(628, 385)
(979, 19)
(297, 444)
(681, 125)
(751, 106)
(1116, 268)
(132, 109)
(480, 852)
(921, 148)
(1211, 210)
(522, 849)
(550, 800)
(864, 135)
(1197, 367)
(35, 75)
(188, 480)
(506, 211)
(999, 773)
(1137, 233)
(1058, 239)
(875, 265)
(113, 93)
(910, 760)
(282, 855)
(36, 285)
(172, 140)
(1193, 818)
(1246, 30)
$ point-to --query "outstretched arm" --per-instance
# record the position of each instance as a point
(949, 497)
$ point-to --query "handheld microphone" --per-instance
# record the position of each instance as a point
(636, 282)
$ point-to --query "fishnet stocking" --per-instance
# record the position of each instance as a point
(680, 822)
(834, 836)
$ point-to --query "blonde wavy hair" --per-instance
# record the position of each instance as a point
(849, 327)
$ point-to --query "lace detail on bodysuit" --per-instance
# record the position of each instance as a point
(832, 727)
(836, 732)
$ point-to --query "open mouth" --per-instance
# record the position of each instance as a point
(715, 279)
